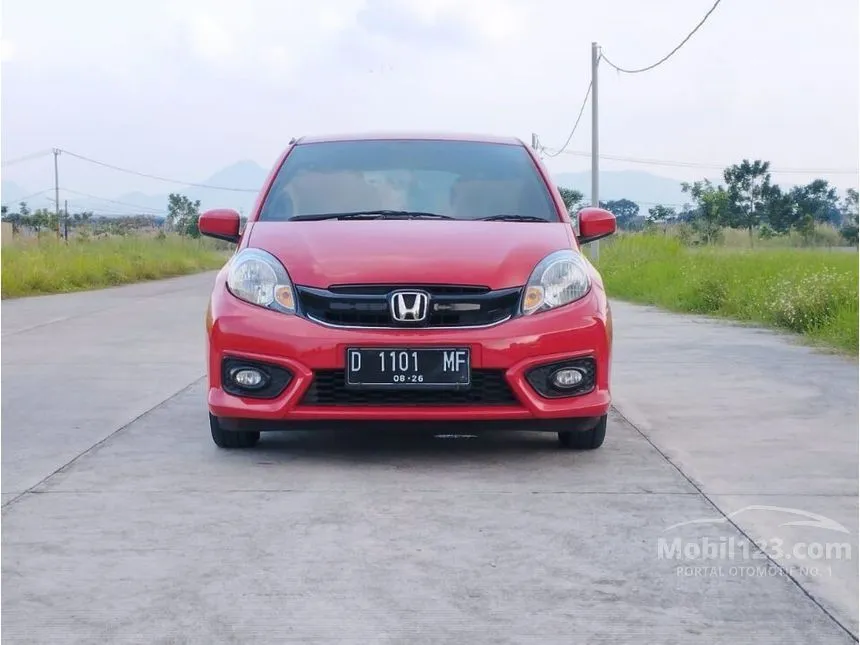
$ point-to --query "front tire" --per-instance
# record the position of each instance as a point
(232, 438)
(584, 440)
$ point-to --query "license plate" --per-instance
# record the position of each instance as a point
(408, 368)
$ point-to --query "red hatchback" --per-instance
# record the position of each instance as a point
(411, 281)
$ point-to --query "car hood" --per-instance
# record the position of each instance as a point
(492, 254)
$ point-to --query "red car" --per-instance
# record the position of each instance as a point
(413, 281)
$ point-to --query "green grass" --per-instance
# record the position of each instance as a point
(823, 235)
(809, 292)
(45, 266)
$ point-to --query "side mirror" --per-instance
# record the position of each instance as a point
(220, 223)
(594, 224)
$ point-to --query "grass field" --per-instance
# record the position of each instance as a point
(809, 291)
(44, 266)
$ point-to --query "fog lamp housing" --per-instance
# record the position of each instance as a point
(564, 378)
(253, 378)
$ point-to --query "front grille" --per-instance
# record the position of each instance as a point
(368, 305)
(489, 387)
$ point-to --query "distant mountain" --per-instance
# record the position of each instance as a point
(642, 187)
(241, 175)
(11, 195)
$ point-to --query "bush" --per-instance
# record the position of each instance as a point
(766, 232)
(685, 233)
(52, 266)
(707, 295)
(850, 234)
(805, 291)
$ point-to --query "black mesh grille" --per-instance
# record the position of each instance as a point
(368, 305)
(489, 387)
(539, 378)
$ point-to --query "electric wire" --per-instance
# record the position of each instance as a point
(667, 56)
(115, 201)
(26, 197)
(712, 165)
(32, 155)
(575, 125)
(156, 177)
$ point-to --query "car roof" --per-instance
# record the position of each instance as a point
(409, 136)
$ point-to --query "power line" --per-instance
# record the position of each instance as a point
(667, 56)
(117, 215)
(32, 155)
(575, 125)
(115, 201)
(156, 177)
(26, 197)
(713, 166)
(642, 202)
(150, 209)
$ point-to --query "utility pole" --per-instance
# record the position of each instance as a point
(534, 141)
(595, 164)
(66, 220)
(57, 190)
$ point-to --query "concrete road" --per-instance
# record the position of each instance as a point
(122, 523)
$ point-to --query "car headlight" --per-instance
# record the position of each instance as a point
(558, 279)
(258, 277)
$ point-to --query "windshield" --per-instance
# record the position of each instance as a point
(457, 179)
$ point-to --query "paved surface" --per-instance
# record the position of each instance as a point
(80, 366)
(753, 420)
(122, 528)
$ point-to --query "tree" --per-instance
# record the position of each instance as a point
(572, 198)
(624, 210)
(713, 208)
(13, 218)
(781, 210)
(849, 209)
(805, 225)
(661, 213)
(42, 218)
(182, 215)
(687, 213)
(817, 199)
(850, 204)
(748, 186)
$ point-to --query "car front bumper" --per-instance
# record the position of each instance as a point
(308, 350)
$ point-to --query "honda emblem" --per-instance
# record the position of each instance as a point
(409, 306)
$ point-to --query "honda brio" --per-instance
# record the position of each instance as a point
(419, 282)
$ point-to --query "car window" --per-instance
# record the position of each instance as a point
(461, 179)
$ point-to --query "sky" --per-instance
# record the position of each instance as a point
(183, 88)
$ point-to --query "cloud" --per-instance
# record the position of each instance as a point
(211, 39)
(398, 22)
(8, 51)
(265, 39)
(286, 40)
(259, 72)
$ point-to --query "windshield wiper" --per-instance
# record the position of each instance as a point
(374, 214)
(503, 217)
